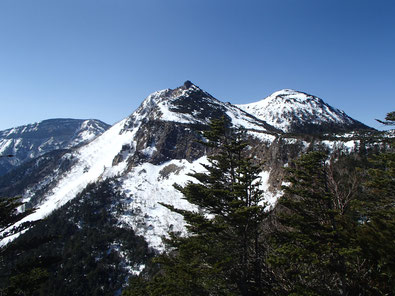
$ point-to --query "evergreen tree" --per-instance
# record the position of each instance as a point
(223, 254)
(324, 243)
(377, 231)
(309, 244)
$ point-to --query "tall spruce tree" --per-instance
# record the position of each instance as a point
(222, 255)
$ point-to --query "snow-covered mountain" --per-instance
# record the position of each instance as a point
(298, 112)
(147, 152)
(157, 146)
(32, 140)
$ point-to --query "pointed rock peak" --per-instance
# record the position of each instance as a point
(187, 89)
(188, 84)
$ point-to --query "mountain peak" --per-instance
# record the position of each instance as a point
(188, 84)
(295, 111)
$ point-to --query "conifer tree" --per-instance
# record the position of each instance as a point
(315, 250)
(333, 238)
(222, 254)
(377, 211)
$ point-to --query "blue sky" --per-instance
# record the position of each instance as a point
(101, 58)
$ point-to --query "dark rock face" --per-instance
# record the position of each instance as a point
(316, 129)
(187, 84)
(199, 105)
(161, 137)
(30, 141)
(170, 140)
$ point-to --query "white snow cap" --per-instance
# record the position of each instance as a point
(287, 106)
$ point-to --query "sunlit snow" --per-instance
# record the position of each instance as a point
(282, 107)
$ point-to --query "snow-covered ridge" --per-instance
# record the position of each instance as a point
(287, 108)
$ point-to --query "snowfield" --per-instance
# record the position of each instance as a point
(148, 185)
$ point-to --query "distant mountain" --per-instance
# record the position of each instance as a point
(32, 140)
(297, 112)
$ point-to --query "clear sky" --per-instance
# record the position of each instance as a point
(101, 58)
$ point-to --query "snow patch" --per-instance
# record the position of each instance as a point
(145, 187)
(269, 196)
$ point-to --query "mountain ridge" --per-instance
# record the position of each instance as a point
(157, 145)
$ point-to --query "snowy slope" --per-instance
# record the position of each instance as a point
(147, 185)
(294, 111)
(92, 162)
(144, 187)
